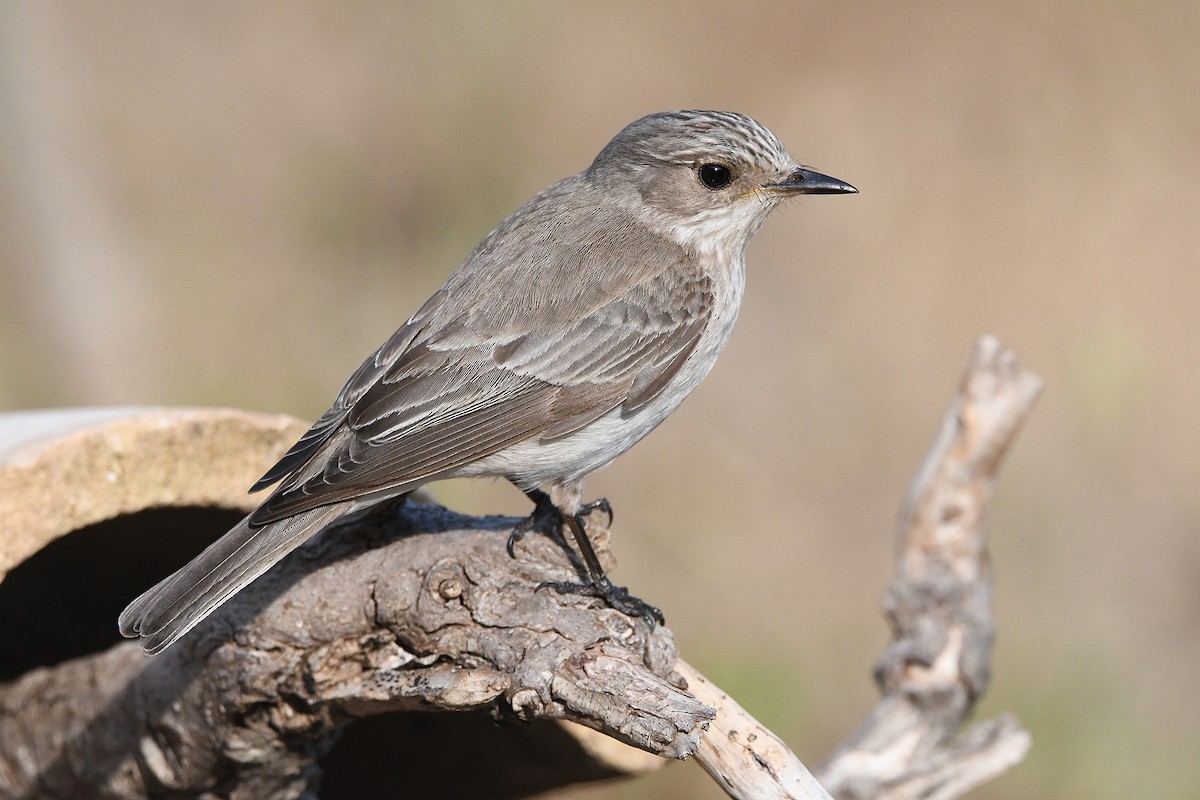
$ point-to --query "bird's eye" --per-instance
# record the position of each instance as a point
(715, 176)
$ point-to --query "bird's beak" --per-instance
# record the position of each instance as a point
(804, 181)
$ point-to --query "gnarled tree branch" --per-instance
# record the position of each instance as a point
(939, 605)
(419, 609)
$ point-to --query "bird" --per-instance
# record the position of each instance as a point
(565, 337)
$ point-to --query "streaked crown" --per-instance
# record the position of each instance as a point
(684, 137)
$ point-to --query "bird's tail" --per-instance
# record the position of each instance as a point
(179, 602)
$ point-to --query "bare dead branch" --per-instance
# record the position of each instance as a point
(742, 755)
(939, 607)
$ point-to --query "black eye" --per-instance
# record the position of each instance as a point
(715, 176)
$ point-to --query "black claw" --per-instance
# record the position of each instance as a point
(601, 504)
(518, 533)
(617, 598)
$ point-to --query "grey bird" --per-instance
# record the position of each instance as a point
(568, 334)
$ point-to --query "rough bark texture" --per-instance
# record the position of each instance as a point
(421, 609)
(416, 609)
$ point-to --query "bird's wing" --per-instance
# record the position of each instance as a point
(462, 393)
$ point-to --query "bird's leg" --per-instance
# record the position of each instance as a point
(545, 519)
(598, 584)
(551, 520)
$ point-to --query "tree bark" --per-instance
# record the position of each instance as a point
(417, 609)
(421, 609)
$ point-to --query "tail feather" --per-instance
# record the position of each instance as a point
(171, 608)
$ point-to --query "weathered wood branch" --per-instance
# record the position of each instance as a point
(939, 606)
(742, 755)
(419, 609)
(423, 610)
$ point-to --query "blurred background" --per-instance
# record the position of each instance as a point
(233, 204)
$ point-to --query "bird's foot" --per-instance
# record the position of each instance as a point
(615, 597)
(545, 518)
(596, 505)
(549, 521)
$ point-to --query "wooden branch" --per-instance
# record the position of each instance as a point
(742, 755)
(423, 610)
(939, 607)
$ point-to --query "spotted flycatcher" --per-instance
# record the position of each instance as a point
(571, 331)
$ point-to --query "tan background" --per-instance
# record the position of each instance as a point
(219, 204)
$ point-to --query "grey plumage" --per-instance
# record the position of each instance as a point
(568, 334)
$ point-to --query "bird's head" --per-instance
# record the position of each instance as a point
(707, 178)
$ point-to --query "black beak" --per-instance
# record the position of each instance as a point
(805, 181)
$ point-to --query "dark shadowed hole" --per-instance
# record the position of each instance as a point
(63, 601)
(432, 755)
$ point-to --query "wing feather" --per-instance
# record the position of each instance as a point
(451, 396)
(362, 380)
